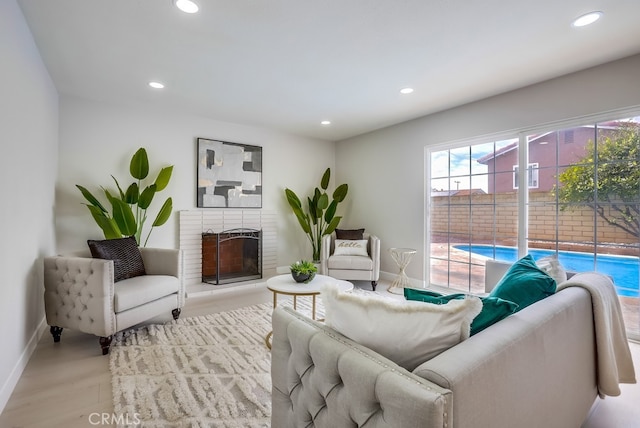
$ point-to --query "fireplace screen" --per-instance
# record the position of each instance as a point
(232, 255)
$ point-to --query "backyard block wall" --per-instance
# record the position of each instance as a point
(472, 219)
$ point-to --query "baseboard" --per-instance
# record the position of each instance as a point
(389, 276)
(199, 290)
(13, 379)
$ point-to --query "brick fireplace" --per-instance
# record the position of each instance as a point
(233, 255)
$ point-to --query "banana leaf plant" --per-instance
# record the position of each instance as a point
(320, 218)
(128, 212)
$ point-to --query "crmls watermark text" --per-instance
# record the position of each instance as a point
(114, 419)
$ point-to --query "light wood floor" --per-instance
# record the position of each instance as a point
(65, 383)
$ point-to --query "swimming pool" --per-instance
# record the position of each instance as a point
(623, 269)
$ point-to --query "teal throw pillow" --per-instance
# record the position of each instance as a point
(493, 308)
(429, 296)
(524, 283)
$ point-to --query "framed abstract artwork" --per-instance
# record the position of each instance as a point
(229, 175)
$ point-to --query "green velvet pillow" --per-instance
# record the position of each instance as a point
(524, 283)
(493, 308)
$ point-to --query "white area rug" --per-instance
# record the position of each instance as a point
(208, 371)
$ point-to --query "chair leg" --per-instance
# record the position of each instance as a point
(176, 313)
(105, 342)
(56, 332)
(373, 285)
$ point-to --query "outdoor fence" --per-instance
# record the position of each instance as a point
(492, 218)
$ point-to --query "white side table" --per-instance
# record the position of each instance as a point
(402, 256)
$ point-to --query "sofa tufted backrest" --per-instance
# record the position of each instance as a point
(322, 379)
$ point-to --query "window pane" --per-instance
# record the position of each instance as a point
(464, 210)
(504, 157)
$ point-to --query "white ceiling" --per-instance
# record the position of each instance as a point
(288, 64)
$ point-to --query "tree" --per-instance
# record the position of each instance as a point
(608, 179)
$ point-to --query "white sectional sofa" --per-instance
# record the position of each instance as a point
(535, 368)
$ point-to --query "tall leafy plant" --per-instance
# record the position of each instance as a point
(128, 212)
(607, 179)
(320, 218)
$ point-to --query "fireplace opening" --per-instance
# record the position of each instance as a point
(232, 255)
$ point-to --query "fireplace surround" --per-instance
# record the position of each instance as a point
(193, 223)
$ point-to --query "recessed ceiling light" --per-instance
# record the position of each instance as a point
(325, 122)
(186, 6)
(156, 85)
(406, 90)
(587, 18)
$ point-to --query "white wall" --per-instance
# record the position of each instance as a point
(385, 169)
(28, 163)
(97, 140)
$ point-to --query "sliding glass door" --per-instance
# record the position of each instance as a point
(573, 192)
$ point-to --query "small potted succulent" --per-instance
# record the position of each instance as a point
(303, 271)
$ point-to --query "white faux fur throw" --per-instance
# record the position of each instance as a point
(614, 361)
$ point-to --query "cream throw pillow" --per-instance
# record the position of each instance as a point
(406, 332)
(350, 247)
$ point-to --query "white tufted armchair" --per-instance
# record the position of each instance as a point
(80, 293)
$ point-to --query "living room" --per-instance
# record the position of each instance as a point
(54, 140)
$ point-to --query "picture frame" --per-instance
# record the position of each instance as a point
(229, 174)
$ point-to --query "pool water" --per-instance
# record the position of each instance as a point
(623, 269)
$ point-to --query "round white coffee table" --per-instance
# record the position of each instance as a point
(285, 284)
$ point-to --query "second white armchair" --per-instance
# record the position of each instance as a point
(351, 259)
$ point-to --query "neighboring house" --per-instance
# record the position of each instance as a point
(542, 175)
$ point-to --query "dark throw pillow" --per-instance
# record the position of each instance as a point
(493, 310)
(524, 283)
(127, 260)
(350, 234)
